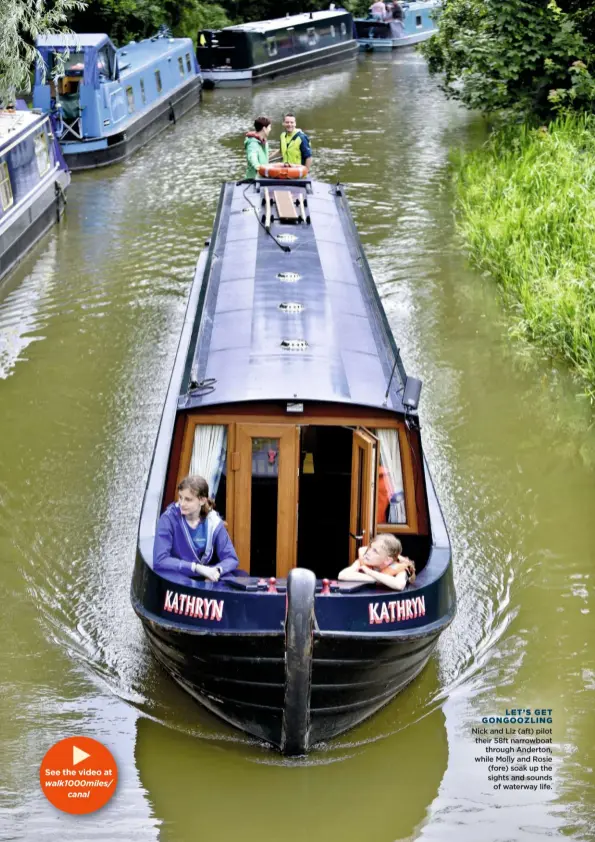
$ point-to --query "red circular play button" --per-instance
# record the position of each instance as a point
(78, 775)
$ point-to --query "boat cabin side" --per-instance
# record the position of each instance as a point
(251, 45)
(305, 484)
(98, 90)
(28, 159)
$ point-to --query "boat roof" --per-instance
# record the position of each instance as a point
(136, 54)
(289, 20)
(13, 123)
(265, 335)
(73, 41)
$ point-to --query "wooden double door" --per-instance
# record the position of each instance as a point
(266, 495)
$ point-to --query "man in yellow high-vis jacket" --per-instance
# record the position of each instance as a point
(295, 144)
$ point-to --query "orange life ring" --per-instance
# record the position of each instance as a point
(282, 171)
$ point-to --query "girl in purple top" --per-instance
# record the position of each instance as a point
(191, 537)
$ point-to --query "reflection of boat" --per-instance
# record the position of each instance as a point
(111, 102)
(404, 770)
(253, 52)
(288, 394)
(33, 178)
(416, 24)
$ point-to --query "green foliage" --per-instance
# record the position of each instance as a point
(124, 20)
(21, 22)
(525, 206)
(507, 55)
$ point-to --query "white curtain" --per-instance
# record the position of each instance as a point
(390, 458)
(208, 454)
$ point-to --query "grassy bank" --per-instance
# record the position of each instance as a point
(526, 208)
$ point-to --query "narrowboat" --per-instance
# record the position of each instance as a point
(412, 22)
(110, 102)
(253, 52)
(288, 394)
(33, 181)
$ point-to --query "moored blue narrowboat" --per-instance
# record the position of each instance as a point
(110, 102)
(288, 394)
(262, 50)
(408, 24)
(33, 180)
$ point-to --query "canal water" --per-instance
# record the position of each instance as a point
(88, 329)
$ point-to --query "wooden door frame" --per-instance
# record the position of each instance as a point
(362, 441)
(287, 492)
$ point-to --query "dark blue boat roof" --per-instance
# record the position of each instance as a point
(300, 325)
(262, 26)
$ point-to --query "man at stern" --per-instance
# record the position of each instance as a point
(295, 144)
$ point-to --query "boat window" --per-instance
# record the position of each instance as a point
(42, 153)
(6, 197)
(418, 21)
(312, 36)
(143, 96)
(104, 64)
(188, 63)
(181, 65)
(343, 28)
(272, 46)
(333, 33)
(130, 98)
(74, 65)
(391, 495)
(209, 460)
(158, 81)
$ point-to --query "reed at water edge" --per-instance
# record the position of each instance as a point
(525, 206)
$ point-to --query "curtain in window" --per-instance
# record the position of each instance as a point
(208, 454)
(392, 476)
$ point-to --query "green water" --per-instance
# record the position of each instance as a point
(88, 329)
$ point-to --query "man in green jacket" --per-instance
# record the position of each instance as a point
(256, 146)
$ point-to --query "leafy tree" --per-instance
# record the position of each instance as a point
(21, 23)
(508, 55)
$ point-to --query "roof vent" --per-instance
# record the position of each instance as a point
(294, 344)
(291, 307)
(286, 238)
(288, 277)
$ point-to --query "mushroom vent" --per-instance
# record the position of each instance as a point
(294, 344)
(288, 277)
(291, 307)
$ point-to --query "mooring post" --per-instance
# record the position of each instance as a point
(299, 628)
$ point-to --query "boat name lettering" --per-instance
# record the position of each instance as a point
(193, 606)
(397, 610)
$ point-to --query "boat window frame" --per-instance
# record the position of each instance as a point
(333, 31)
(5, 180)
(158, 81)
(312, 36)
(143, 95)
(217, 415)
(181, 67)
(40, 142)
(130, 99)
(419, 25)
(272, 43)
(343, 28)
(188, 63)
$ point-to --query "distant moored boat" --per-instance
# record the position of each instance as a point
(111, 102)
(417, 23)
(261, 50)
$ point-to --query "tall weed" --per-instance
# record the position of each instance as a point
(526, 208)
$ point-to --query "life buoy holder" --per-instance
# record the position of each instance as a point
(282, 171)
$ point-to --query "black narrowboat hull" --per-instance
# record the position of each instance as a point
(238, 77)
(32, 223)
(121, 146)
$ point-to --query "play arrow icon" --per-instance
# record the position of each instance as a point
(78, 755)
